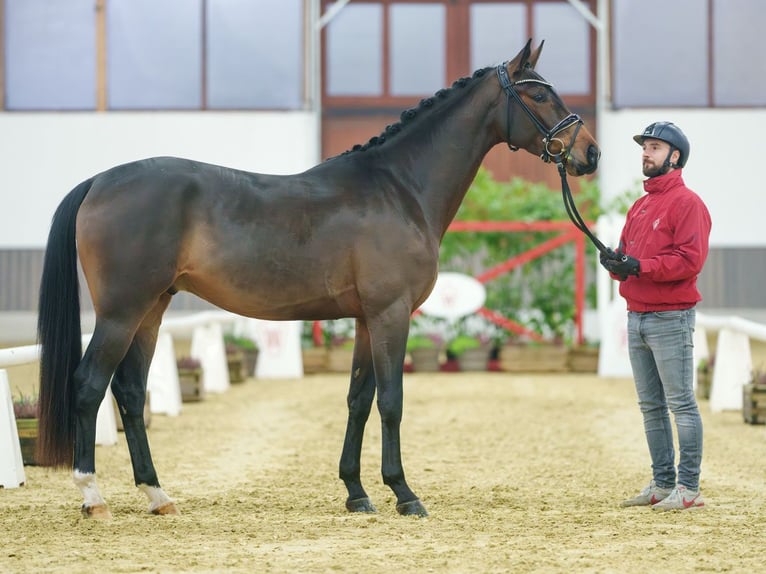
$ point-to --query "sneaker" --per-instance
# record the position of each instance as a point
(652, 494)
(681, 498)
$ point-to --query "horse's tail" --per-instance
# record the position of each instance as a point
(59, 335)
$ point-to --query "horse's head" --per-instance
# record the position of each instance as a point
(537, 120)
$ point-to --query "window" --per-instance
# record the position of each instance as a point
(698, 53)
(355, 51)
(497, 31)
(50, 55)
(153, 54)
(255, 54)
(388, 53)
(417, 29)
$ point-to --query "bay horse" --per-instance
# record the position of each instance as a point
(356, 236)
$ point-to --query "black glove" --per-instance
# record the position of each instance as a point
(608, 255)
(624, 266)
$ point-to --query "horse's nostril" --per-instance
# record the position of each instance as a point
(594, 154)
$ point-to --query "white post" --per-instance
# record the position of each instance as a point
(106, 424)
(733, 368)
(163, 386)
(207, 346)
(11, 464)
(279, 348)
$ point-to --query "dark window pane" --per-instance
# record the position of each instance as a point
(50, 54)
(740, 68)
(417, 48)
(565, 61)
(659, 53)
(154, 51)
(255, 53)
(498, 32)
(355, 51)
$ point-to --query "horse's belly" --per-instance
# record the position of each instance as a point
(275, 302)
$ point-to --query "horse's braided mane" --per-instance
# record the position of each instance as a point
(408, 115)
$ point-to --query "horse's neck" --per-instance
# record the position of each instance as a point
(440, 158)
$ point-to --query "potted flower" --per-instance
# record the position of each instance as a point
(190, 379)
(705, 377)
(754, 398)
(470, 351)
(339, 341)
(26, 409)
(241, 356)
(424, 352)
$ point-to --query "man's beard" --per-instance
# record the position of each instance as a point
(654, 171)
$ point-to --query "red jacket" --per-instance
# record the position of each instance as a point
(667, 230)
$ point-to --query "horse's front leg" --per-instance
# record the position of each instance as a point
(388, 342)
(360, 393)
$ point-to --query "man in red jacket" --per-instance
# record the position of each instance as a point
(663, 247)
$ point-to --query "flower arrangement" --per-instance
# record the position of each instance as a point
(188, 363)
(26, 406)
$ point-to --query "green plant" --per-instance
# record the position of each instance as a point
(420, 342)
(462, 343)
(26, 406)
(339, 333)
(236, 342)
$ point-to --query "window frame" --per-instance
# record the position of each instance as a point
(101, 65)
(457, 37)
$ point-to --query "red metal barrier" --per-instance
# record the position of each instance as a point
(568, 234)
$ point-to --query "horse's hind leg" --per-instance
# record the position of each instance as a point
(107, 347)
(360, 394)
(129, 389)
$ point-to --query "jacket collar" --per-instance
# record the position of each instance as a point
(664, 182)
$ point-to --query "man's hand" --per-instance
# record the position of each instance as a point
(608, 255)
(622, 266)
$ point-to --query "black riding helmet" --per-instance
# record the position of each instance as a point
(669, 133)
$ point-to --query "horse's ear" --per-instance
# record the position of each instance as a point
(521, 59)
(535, 55)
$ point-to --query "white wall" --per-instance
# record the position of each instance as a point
(44, 155)
(725, 164)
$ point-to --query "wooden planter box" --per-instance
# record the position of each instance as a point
(754, 404)
(425, 360)
(339, 359)
(473, 359)
(534, 359)
(27, 429)
(582, 359)
(249, 362)
(235, 362)
(704, 382)
(190, 381)
(314, 360)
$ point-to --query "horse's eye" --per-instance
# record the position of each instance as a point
(539, 97)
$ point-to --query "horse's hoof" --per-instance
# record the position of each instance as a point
(97, 511)
(167, 509)
(412, 508)
(360, 505)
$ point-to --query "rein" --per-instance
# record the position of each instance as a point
(548, 156)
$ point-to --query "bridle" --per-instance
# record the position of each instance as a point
(549, 136)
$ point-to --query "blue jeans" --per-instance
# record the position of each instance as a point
(660, 346)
